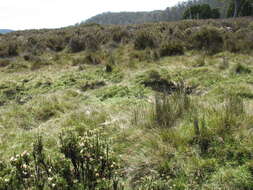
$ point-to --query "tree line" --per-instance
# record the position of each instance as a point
(193, 9)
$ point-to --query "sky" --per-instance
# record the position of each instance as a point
(35, 14)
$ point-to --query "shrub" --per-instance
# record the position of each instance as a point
(120, 35)
(76, 44)
(91, 42)
(171, 48)
(144, 39)
(79, 43)
(82, 162)
(55, 42)
(8, 49)
(208, 39)
(240, 41)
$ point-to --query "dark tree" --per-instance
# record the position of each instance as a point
(245, 9)
(203, 11)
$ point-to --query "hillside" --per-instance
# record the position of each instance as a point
(135, 107)
(4, 31)
(169, 14)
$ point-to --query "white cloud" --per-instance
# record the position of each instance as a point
(28, 14)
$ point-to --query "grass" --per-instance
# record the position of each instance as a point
(171, 122)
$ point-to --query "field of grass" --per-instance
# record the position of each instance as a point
(128, 117)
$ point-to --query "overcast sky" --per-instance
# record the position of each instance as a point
(31, 14)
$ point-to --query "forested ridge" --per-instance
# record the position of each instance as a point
(226, 9)
(169, 14)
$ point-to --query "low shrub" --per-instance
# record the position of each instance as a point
(83, 42)
(76, 44)
(8, 49)
(91, 42)
(82, 162)
(171, 48)
(240, 41)
(120, 35)
(55, 42)
(144, 39)
(208, 39)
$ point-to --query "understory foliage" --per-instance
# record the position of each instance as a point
(82, 162)
(208, 39)
(211, 36)
(144, 39)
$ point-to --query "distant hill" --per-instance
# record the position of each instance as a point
(127, 17)
(4, 31)
(169, 14)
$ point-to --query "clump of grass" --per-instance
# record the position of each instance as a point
(229, 118)
(203, 135)
(92, 85)
(48, 107)
(113, 91)
(240, 69)
(224, 64)
(92, 58)
(200, 61)
(4, 62)
(230, 178)
(145, 55)
(167, 110)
